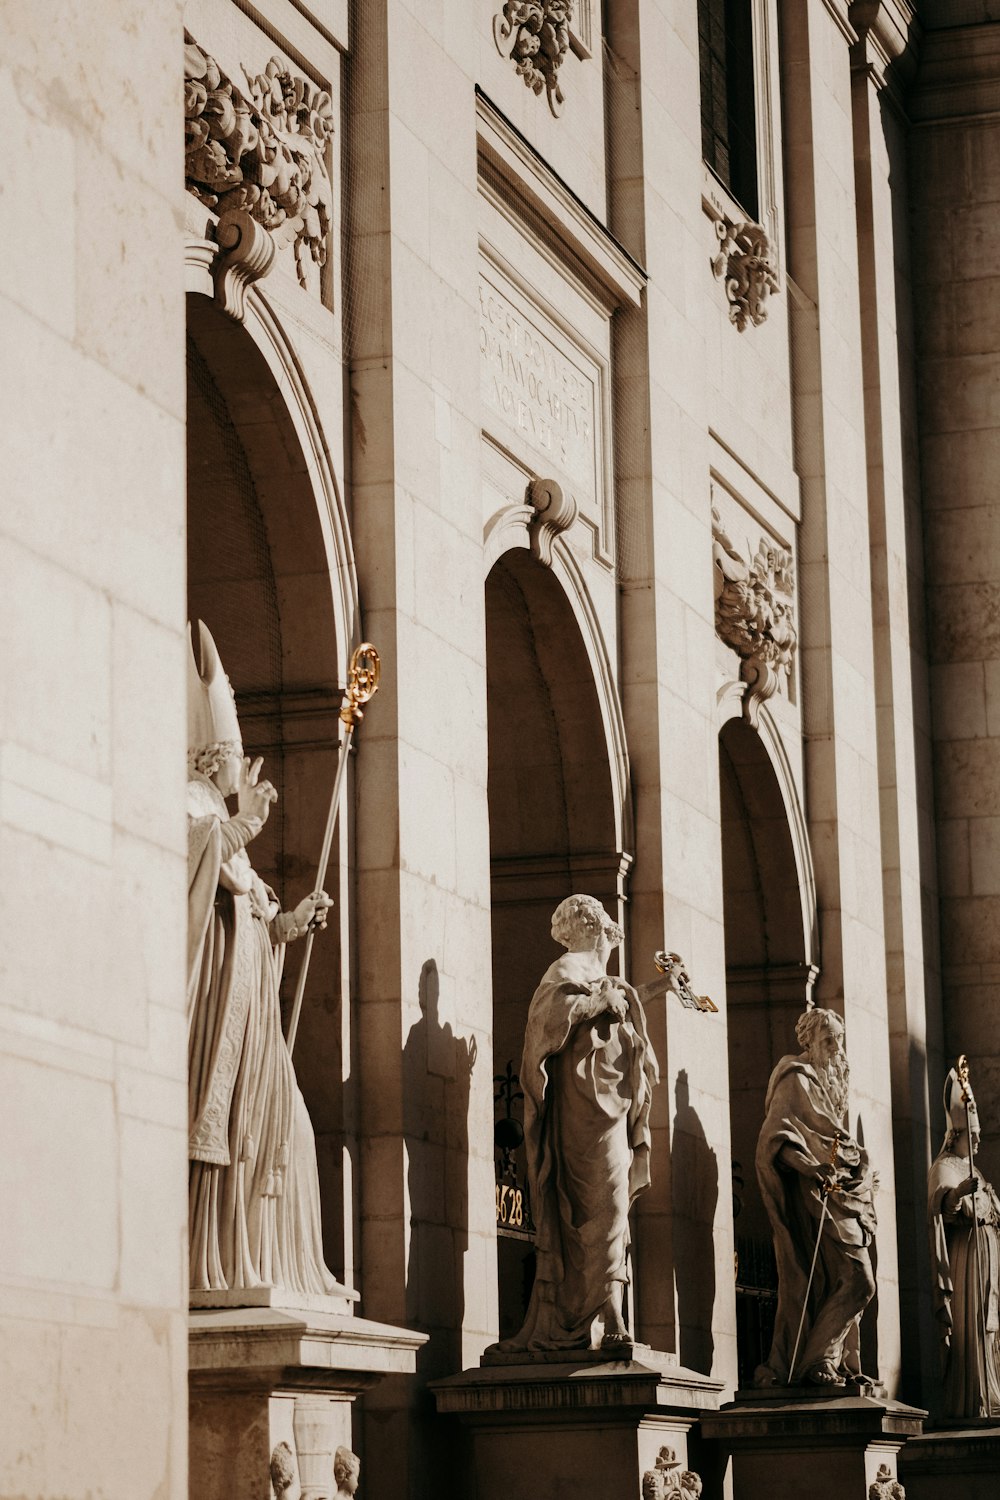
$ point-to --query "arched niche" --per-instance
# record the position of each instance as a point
(555, 814)
(271, 574)
(769, 915)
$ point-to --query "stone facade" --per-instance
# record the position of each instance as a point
(672, 518)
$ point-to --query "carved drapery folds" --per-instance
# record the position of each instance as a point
(755, 613)
(746, 264)
(669, 1480)
(261, 151)
(534, 34)
(555, 512)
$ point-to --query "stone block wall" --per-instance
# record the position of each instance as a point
(93, 1095)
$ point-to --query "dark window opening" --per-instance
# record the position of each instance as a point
(728, 116)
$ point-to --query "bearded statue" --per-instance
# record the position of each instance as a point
(817, 1185)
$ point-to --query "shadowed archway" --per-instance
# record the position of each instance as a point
(553, 816)
(769, 975)
(260, 576)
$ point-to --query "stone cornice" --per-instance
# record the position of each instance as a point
(526, 189)
(959, 75)
(839, 10)
(889, 40)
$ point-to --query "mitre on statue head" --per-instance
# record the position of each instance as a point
(958, 1112)
(212, 715)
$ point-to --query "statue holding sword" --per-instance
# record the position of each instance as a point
(818, 1187)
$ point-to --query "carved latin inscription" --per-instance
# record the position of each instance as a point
(535, 390)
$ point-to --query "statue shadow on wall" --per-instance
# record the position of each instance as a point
(868, 1332)
(437, 1074)
(695, 1197)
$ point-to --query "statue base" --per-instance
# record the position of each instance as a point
(261, 1377)
(276, 1296)
(961, 1461)
(802, 1441)
(575, 1421)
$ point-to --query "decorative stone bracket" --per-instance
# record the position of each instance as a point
(259, 155)
(555, 512)
(755, 613)
(669, 1480)
(747, 266)
(534, 34)
(246, 253)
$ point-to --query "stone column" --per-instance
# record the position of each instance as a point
(668, 673)
(839, 698)
(883, 61)
(427, 1254)
(955, 192)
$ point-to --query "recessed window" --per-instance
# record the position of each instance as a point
(728, 115)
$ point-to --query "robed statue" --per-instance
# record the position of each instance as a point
(964, 1215)
(254, 1209)
(587, 1074)
(818, 1188)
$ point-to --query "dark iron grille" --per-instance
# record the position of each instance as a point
(728, 115)
(756, 1304)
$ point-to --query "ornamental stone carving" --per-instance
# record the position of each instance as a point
(886, 1486)
(669, 1480)
(346, 1473)
(261, 150)
(534, 34)
(555, 512)
(247, 253)
(755, 613)
(282, 1468)
(747, 266)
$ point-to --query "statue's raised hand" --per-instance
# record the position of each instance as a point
(253, 796)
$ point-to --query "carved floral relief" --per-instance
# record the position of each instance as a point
(534, 34)
(746, 263)
(755, 613)
(261, 149)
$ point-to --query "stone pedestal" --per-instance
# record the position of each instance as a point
(575, 1424)
(962, 1462)
(793, 1441)
(261, 1377)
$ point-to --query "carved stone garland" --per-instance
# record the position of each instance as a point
(755, 613)
(260, 153)
(669, 1481)
(886, 1487)
(746, 264)
(534, 34)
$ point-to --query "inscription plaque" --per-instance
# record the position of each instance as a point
(537, 391)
